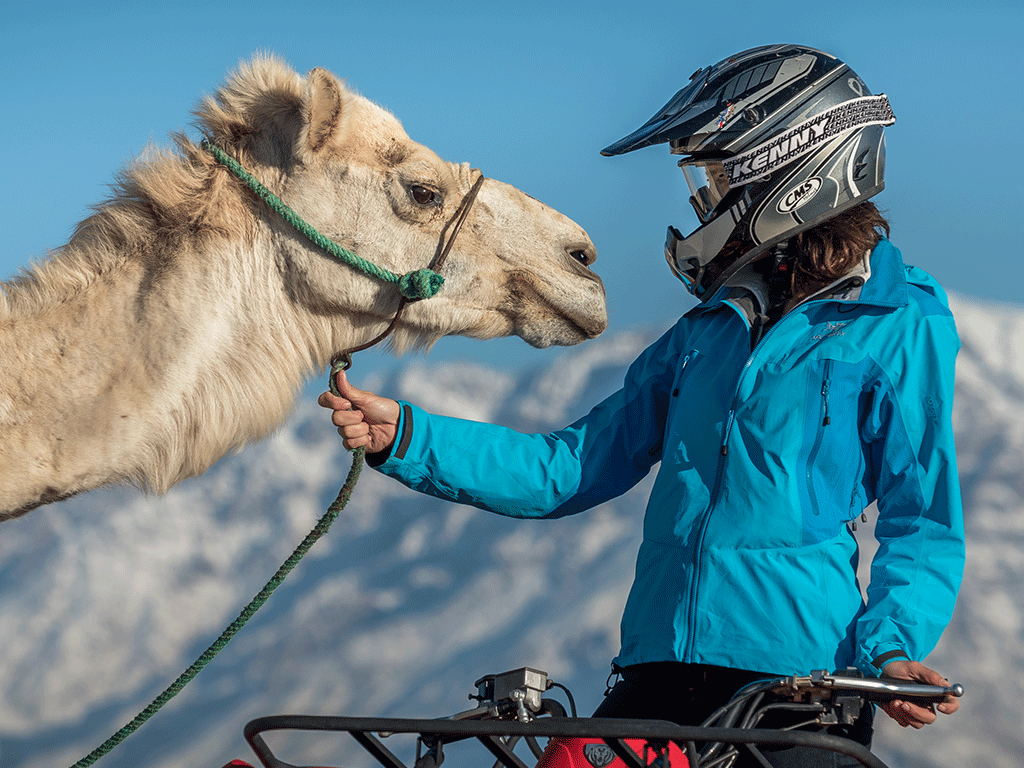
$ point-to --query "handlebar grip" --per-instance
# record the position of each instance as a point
(884, 688)
(907, 689)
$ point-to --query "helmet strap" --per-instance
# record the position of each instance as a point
(780, 282)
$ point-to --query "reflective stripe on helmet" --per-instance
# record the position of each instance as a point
(761, 160)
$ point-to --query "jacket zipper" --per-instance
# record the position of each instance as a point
(686, 361)
(826, 383)
(724, 450)
(719, 474)
(705, 519)
(691, 355)
(825, 386)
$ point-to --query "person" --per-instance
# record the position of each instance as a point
(814, 377)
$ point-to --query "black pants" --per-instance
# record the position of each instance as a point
(687, 694)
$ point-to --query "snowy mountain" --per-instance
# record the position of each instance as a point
(105, 599)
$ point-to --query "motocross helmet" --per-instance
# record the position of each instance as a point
(776, 140)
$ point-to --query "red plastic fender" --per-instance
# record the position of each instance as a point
(564, 752)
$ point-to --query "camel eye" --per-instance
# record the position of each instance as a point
(582, 257)
(423, 195)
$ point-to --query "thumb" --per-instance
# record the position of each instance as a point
(375, 409)
(932, 677)
(347, 391)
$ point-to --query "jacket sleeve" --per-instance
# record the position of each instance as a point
(907, 428)
(511, 473)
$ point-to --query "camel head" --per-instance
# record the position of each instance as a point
(347, 167)
(185, 295)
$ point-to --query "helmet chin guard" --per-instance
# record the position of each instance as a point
(776, 140)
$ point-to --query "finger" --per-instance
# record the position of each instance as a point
(332, 401)
(930, 676)
(949, 705)
(917, 715)
(900, 712)
(353, 443)
(346, 418)
(894, 709)
(353, 431)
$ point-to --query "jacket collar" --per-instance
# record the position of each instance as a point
(879, 281)
(887, 286)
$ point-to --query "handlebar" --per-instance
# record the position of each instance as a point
(873, 689)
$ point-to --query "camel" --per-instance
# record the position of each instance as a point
(183, 316)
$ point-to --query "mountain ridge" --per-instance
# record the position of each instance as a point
(104, 599)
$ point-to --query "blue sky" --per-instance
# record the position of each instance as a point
(530, 94)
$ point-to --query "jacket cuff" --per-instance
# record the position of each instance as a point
(882, 659)
(871, 658)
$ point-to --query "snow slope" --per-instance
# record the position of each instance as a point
(106, 598)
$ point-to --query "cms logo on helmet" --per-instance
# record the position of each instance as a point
(799, 195)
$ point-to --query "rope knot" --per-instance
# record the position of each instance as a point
(420, 284)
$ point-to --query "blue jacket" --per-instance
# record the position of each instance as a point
(747, 558)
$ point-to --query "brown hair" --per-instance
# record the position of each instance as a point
(833, 248)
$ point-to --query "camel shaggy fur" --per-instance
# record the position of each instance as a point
(181, 319)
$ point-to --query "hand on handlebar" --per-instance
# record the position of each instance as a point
(908, 713)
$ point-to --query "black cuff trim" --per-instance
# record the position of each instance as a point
(882, 660)
(376, 459)
(406, 438)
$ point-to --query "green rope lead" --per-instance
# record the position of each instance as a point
(247, 613)
(418, 284)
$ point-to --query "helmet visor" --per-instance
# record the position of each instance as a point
(708, 182)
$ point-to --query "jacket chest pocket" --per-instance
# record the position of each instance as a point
(832, 461)
(699, 404)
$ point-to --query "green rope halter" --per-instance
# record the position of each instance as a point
(247, 613)
(418, 284)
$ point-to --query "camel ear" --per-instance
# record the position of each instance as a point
(324, 108)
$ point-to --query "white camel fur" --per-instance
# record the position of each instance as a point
(183, 316)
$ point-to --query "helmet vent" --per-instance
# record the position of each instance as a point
(745, 82)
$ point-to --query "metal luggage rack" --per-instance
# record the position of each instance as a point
(512, 709)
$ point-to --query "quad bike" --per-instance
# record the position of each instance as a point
(512, 710)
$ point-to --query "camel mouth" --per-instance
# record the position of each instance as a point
(582, 333)
(544, 319)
